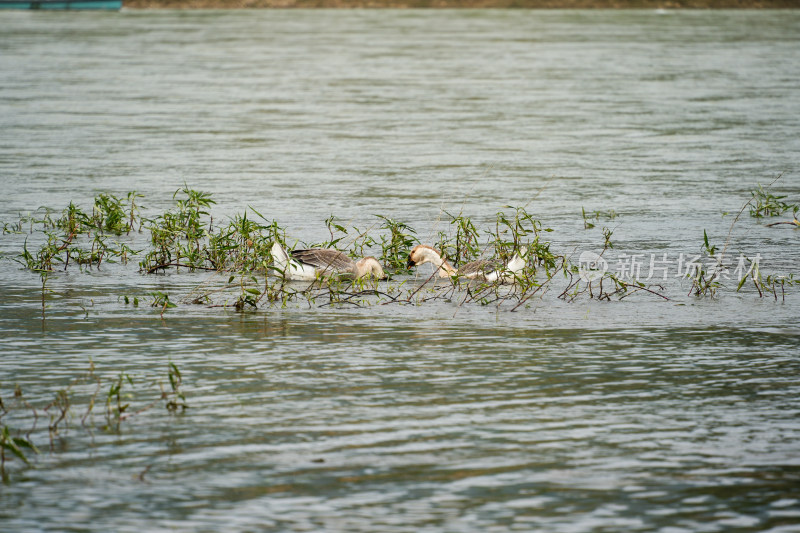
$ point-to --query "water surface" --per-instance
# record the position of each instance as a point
(636, 415)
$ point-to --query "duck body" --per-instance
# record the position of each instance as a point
(314, 263)
(483, 270)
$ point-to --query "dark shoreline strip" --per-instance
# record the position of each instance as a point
(463, 4)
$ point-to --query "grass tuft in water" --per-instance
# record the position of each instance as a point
(595, 215)
(14, 446)
(396, 246)
(81, 395)
(765, 204)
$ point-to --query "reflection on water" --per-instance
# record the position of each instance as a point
(632, 415)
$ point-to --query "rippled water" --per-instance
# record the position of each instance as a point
(637, 415)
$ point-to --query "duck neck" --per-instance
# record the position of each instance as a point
(368, 265)
(444, 269)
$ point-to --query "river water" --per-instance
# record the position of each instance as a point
(642, 414)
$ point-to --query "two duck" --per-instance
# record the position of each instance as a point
(313, 263)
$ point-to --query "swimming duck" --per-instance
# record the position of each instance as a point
(307, 265)
(484, 270)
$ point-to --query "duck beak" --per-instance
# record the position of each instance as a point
(410, 263)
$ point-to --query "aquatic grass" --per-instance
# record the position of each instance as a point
(15, 446)
(177, 235)
(605, 287)
(704, 282)
(168, 249)
(60, 406)
(128, 300)
(176, 399)
(81, 394)
(595, 215)
(705, 276)
(115, 408)
(76, 237)
(185, 236)
(10, 228)
(772, 282)
(333, 228)
(161, 299)
(361, 242)
(109, 214)
(249, 295)
(465, 246)
(356, 292)
(134, 211)
(523, 232)
(795, 222)
(764, 285)
(396, 246)
(765, 204)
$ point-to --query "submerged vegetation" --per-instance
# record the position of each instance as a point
(185, 237)
(712, 265)
(77, 401)
(236, 254)
(766, 204)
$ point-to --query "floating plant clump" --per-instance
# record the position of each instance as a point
(186, 238)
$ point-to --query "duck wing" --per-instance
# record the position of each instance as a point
(478, 268)
(324, 259)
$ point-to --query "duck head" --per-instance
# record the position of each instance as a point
(371, 267)
(423, 253)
